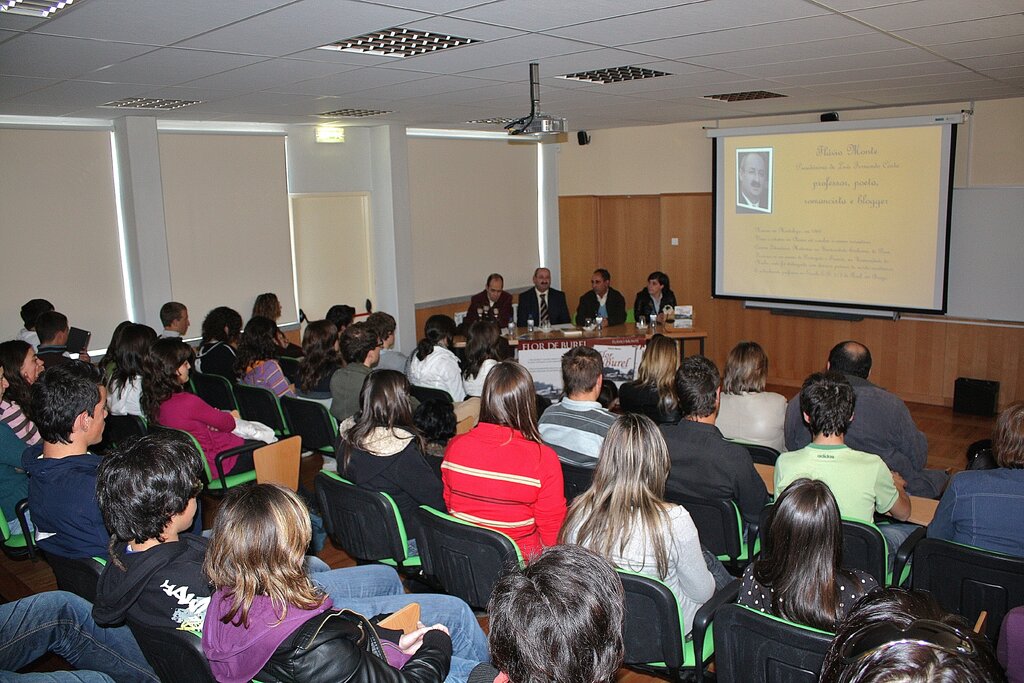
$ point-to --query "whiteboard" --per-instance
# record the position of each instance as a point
(986, 254)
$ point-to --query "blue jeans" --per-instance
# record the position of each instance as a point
(376, 589)
(61, 623)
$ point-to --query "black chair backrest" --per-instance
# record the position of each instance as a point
(260, 404)
(764, 455)
(465, 559)
(751, 647)
(311, 421)
(716, 522)
(174, 655)
(651, 630)
(968, 580)
(362, 523)
(864, 549)
(215, 390)
(424, 394)
(290, 368)
(78, 576)
(119, 428)
(576, 480)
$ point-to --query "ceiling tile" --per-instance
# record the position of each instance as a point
(994, 61)
(851, 45)
(350, 81)
(272, 74)
(12, 86)
(537, 15)
(955, 32)
(18, 22)
(981, 48)
(79, 94)
(824, 65)
(172, 66)
(451, 26)
(50, 57)
(482, 55)
(931, 12)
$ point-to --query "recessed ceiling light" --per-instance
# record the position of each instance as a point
(149, 103)
(744, 96)
(34, 8)
(354, 113)
(617, 74)
(398, 42)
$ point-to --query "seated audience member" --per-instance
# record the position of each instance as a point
(434, 365)
(609, 396)
(321, 357)
(147, 491)
(704, 464)
(29, 313)
(385, 326)
(13, 481)
(653, 393)
(60, 623)
(52, 328)
(494, 303)
(124, 383)
(222, 328)
(749, 413)
(860, 482)
(21, 368)
(381, 449)
(257, 357)
(341, 315)
(499, 474)
(623, 516)
(70, 405)
(985, 508)
(558, 619)
(482, 354)
(542, 303)
(798, 575)
(883, 425)
(269, 306)
(174, 318)
(576, 426)
(361, 349)
(899, 635)
(653, 299)
(267, 620)
(436, 422)
(167, 403)
(1010, 649)
(107, 361)
(602, 300)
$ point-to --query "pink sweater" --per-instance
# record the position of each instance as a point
(211, 427)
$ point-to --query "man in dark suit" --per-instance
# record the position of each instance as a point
(602, 300)
(542, 303)
(494, 303)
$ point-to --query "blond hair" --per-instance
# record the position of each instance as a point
(627, 496)
(658, 369)
(259, 542)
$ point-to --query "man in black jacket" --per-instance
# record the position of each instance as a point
(602, 300)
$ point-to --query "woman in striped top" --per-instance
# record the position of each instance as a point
(499, 475)
(257, 357)
(21, 367)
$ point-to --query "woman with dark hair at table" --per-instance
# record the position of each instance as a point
(222, 328)
(653, 299)
(747, 412)
(433, 365)
(798, 575)
(985, 508)
(499, 475)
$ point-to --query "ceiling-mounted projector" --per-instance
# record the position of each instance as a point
(536, 122)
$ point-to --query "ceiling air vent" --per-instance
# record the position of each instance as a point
(744, 96)
(618, 74)
(398, 42)
(354, 113)
(149, 103)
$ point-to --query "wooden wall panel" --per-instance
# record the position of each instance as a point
(919, 359)
(577, 220)
(629, 233)
(446, 309)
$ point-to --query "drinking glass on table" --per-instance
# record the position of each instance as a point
(600, 323)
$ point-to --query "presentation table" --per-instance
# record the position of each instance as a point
(922, 510)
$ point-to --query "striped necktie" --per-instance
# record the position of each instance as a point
(543, 308)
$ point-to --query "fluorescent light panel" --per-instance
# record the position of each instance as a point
(398, 42)
(149, 103)
(355, 113)
(617, 74)
(34, 8)
(744, 96)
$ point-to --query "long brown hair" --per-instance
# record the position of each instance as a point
(481, 345)
(627, 498)
(160, 373)
(384, 403)
(746, 369)
(12, 357)
(258, 547)
(319, 355)
(658, 369)
(800, 560)
(509, 399)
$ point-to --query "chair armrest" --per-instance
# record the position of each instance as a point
(905, 551)
(231, 452)
(20, 511)
(702, 619)
(753, 531)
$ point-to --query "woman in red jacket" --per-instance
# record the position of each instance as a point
(499, 475)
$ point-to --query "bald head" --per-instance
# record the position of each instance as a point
(851, 358)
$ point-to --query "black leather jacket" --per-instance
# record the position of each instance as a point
(332, 647)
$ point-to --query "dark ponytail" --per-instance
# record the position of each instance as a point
(438, 328)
